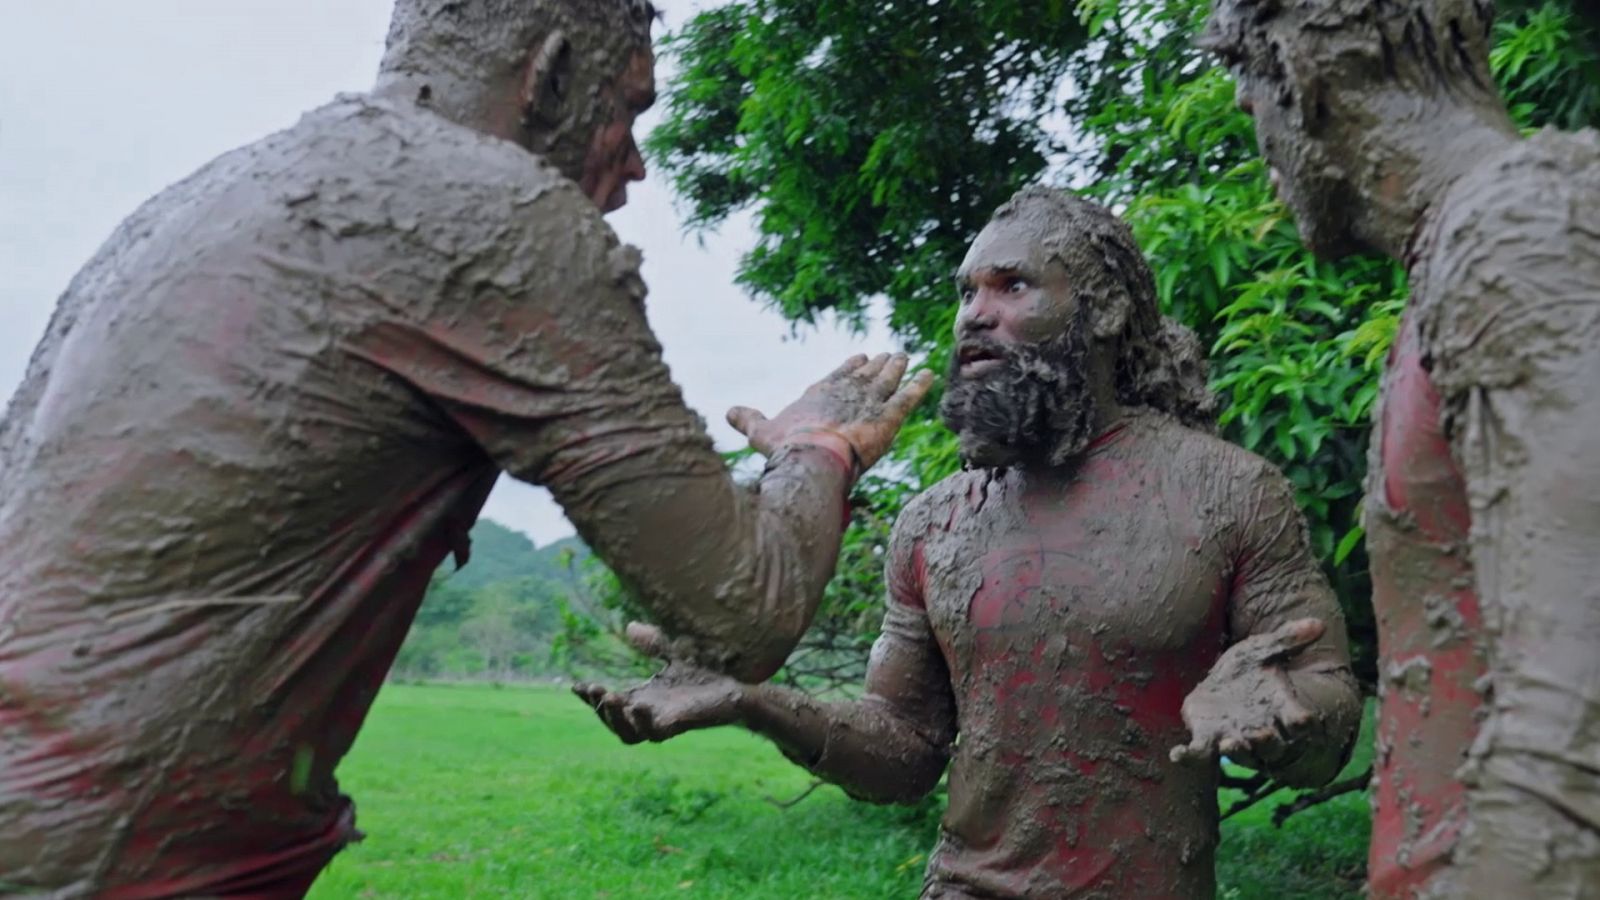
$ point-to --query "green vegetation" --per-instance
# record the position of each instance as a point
(470, 791)
(872, 141)
(476, 791)
(505, 615)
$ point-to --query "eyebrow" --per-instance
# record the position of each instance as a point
(1013, 267)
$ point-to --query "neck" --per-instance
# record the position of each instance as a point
(1422, 147)
(450, 98)
(1107, 414)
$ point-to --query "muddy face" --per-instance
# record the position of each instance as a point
(614, 159)
(1018, 389)
(1304, 133)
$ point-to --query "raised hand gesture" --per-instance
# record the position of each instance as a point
(856, 411)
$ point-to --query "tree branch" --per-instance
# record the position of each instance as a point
(1263, 788)
(790, 804)
(1322, 795)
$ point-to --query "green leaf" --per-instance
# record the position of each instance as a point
(1350, 541)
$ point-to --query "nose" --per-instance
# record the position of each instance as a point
(1242, 99)
(976, 318)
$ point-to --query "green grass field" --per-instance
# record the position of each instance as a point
(476, 791)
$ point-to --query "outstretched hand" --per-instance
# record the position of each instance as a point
(1247, 709)
(679, 698)
(856, 411)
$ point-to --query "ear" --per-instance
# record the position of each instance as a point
(547, 82)
(1110, 316)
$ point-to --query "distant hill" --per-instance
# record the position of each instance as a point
(500, 554)
(501, 615)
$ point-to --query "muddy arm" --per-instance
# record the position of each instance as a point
(892, 745)
(1515, 340)
(546, 361)
(1284, 690)
(889, 747)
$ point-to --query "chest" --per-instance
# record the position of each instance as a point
(1121, 561)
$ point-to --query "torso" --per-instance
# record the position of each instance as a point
(1075, 618)
(1430, 642)
(227, 520)
(1502, 314)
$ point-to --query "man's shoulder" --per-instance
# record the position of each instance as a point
(1208, 466)
(1200, 450)
(1551, 177)
(1507, 290)
(454, 191)
(936, 504)
(414, 150)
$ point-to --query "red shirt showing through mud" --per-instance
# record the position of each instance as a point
(1068, 621)
(1430, 629)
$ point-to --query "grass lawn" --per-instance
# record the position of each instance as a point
(475, 791)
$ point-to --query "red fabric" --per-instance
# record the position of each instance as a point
(1073, 616)
(1421, 571)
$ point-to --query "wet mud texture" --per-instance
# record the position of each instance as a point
(1042, 634)
(1434, 649)
(265, 412)
(441, 53)
(1483, 507)
(1507, 298)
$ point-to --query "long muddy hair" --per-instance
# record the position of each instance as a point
(1160, 362)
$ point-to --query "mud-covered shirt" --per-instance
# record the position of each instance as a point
(1506, 289)
(1074, 614)
(266, 411)
(1431, 641)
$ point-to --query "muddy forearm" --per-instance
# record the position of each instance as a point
(864, 747)
(738, 572)
(1282, 582)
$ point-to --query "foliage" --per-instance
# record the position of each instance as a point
(502, 615)
(470, 791)
(872, 141)
(884, 127)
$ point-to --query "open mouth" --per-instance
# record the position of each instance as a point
(975, 358)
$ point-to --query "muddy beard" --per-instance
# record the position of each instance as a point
(1036, 408)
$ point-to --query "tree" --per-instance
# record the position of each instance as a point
(873, 140)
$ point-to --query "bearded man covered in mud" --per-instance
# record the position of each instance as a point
(275, 401)
(1387, 136)
(1059, 605)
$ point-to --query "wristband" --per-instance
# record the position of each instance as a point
(853, 464)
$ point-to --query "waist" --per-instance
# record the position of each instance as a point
(1073, 824)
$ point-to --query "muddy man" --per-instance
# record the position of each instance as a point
(1387, 136)
(1107, 598)
(275, 401)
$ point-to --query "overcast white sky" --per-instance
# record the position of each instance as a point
(104, 103)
